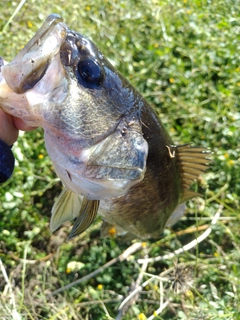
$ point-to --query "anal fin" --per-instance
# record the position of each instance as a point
(176, 215)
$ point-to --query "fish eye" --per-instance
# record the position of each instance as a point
(90, 72)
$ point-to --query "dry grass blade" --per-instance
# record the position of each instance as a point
(14, 313)
(135, 289)
(13, 15)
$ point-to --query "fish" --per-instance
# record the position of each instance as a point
(107, 144)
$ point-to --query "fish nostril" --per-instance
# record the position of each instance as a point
(124, 132)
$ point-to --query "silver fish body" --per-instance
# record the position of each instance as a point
(107, 145)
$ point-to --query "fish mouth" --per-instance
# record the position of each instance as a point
(32, 62)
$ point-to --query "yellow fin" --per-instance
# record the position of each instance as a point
(65, 208)
(86, 216)
(192, 161)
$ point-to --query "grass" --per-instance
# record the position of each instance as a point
(183, 56)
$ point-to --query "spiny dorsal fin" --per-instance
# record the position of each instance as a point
(192, 161)
(86, 216)
(65, 208)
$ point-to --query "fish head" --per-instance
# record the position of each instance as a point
(26, 83)
(90, 114)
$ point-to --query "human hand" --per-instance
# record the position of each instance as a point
(9, 128)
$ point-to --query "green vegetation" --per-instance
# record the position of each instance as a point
(183, 56)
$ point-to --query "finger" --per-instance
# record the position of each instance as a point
(8, 131)
(21, 125)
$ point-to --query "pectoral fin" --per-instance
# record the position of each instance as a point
(192, 161)
(65, 208)
(86, 216)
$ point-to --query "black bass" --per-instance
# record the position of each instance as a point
(106, 143)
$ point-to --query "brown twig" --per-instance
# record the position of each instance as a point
(200, 228)
(28, 261)
(192, 230)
